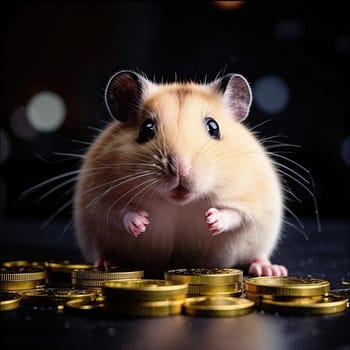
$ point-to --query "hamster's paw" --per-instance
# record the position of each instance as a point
(220, 220)
(136, 222)
(263, 267)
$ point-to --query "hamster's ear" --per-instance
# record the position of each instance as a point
(237, 94)
(123, 94)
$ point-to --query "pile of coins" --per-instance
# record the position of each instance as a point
(294, 295)
(209, 292)
(209, 282)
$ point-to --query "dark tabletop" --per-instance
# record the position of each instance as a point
(324, 254)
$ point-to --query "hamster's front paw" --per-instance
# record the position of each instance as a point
(263, 267)
(220, 220)
(136, 222)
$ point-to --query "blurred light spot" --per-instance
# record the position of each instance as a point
(20, 125)
(345, 150)
(5, 146)
(289, 29)
(46, 111)
(229, 5)
(342, 45)
(271, 94)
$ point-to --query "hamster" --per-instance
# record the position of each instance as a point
(177, 181)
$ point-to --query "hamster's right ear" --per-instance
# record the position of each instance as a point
(123, 94)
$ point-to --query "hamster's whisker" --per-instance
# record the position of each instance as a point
(143, 191)
(119, 182)
(70, 155)
(278, 164)
(150, 182)
(302, 227)
(286, 189)
(46, 222)
(58, 177)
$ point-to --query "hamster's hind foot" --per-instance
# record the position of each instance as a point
(263, 267)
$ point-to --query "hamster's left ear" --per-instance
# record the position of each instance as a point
(237, 94)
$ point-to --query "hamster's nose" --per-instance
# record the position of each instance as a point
(179, 166)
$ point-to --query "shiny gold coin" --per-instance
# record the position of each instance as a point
(24, 263)
(93, 306)
(301, 300)
(21, 278)
(146, 308)
(205, 275)
(144, 290)
(218, 306)
(9, 301)
(204, 289)
(95, 276)
(67, 266)
(56, 295)
(332, 303)
(287, 286)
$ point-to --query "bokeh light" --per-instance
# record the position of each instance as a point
(229, 5)
(46, 111)
(20, 125)
(289, 29)
(5, 146)
(271, 94)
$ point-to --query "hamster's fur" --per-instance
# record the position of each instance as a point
(176, 180)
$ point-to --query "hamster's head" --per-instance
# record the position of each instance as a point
(179, 136)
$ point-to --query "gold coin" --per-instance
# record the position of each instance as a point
(24, 263)
(94, 277)
(85, 306)
(67, 266)
(205, 275)
(146, 308)
(204, 289)
(9, 301)
(56, 295)
(218, 306)
(329, 304)
(287, 286)
(144, 290)
(301, 300)
(21, 278)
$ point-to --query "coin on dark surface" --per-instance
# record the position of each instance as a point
(145, 308)
(205, 275)
(329, 304)
(94, 277)
(144, 290)
(22, 278)
(66, 266)
(218, 306)
(56, 295)
(92, 306)
(24, 263)
(9, 301)
(287, 286)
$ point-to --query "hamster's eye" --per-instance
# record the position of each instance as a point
(212, 128)
(147, 130)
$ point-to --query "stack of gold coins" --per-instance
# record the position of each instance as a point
(223, 282)
(21, 278)
(92, 278)
(294, 295)
(144, 297)
(59, 271)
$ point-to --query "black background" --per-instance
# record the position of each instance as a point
(72, 48)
